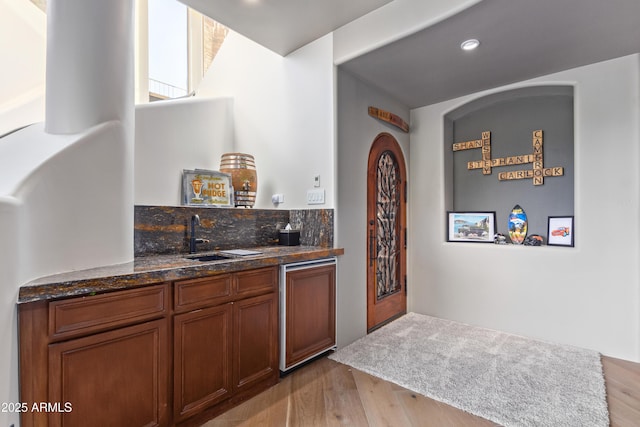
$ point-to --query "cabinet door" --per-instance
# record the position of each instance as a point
(255, 340)
(310, 312)
(202, 359)
(115, 378)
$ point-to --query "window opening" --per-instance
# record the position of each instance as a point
(181, 45)
(168, 69)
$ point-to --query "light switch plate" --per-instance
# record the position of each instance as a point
(315, 196)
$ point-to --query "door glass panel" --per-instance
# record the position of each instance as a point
(387, 235)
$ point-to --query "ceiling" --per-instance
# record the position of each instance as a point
(284, 25)
(520, 39)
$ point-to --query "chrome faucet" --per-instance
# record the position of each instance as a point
(193, 241)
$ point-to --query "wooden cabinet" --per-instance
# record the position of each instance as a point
(202, 359)
(255, 341)
(85, 315)
(167, 354)
(221, 350)
(310, 313)
(114, 378)
(225, 339)
(197, 293)
(96, 360)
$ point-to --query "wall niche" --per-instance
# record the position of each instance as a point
(512, 117)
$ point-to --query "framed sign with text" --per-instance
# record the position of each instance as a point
(202, 187)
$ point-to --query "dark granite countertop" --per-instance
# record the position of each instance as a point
(162, 268)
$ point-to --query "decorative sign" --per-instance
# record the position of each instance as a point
(388, 117)
(206, 188)
(537, 173)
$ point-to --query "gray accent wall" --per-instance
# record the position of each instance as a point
(356, 132)
(511, 117)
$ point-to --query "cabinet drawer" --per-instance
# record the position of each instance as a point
(85, 315)
(197, 293)
(256, 282)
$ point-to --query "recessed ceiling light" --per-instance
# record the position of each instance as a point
(469, 44)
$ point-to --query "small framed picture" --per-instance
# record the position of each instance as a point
(206, 188)
(560, 231)
(478, 227)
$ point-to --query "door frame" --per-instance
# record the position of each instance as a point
(397, 302)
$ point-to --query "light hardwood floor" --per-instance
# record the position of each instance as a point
(326, 393)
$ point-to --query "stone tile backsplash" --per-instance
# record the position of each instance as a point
(162, 230)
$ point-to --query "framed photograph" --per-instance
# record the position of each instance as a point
(206, 188)
(560, 231)
(478, 227)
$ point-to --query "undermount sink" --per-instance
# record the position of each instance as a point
(204, 258)
(226, 254)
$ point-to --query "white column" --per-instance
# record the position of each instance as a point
(141, 52)
(89, 64)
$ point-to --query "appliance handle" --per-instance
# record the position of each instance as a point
(308, 264)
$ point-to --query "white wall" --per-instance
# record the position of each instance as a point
(356, 132)
(23, 64)
(283, 114)
(66, 201)
(308, 139)
(586, 296)
(62, 208)
(173, 135)
(69, 200)
(9, 214)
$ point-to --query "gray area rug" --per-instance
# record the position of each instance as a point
(507, 379)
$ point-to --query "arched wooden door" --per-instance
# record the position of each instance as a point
(386, 232)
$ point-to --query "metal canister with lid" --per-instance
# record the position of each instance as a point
(244, 178)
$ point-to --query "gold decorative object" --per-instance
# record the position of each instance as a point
(242, 169)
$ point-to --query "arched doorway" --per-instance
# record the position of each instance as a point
(386, 232)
